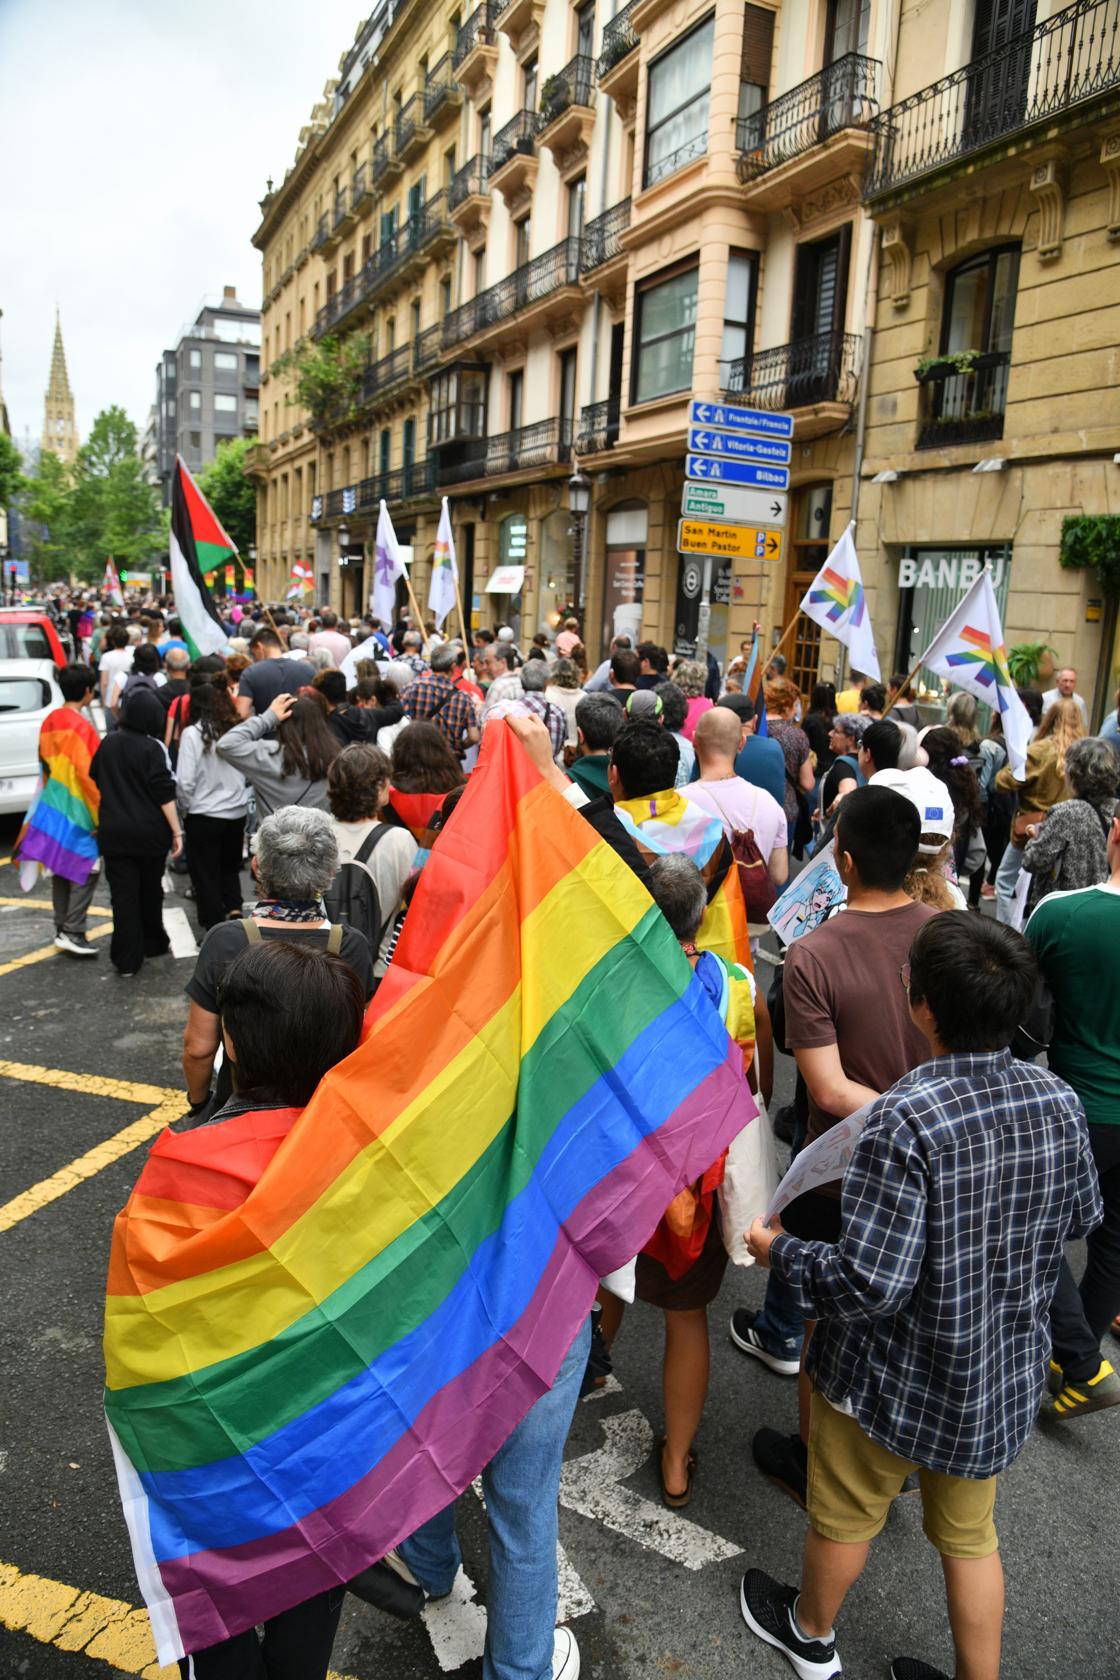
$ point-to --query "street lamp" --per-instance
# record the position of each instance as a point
(344, 544)
(579, 503)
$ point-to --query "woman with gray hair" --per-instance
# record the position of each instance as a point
(691, 677)
(563, 690)
(296, 860)
(1068, 846)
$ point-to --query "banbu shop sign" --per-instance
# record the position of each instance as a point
(624, 572)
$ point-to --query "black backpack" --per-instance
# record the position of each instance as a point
(352, 895)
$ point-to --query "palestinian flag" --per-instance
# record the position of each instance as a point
(198, 545)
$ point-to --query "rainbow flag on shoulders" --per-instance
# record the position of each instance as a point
(60, 829)
(670, 822)
(306, 1362)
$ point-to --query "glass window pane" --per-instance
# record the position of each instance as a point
(226, 360)
(968, 303)
(225, 404)
(682, 74)
(671, 305)
(1003, 300)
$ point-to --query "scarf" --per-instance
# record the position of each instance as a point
(290, 909)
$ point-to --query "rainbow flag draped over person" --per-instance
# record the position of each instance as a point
(969, 651)
(306, 1362)
(670, 822)
(836, 601)
(60, 829)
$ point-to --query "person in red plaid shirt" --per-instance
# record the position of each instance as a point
(433, 698)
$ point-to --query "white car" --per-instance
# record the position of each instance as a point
(28, 691)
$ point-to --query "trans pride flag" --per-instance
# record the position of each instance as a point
(969, 651)
(670, 822)
(305, 1362)
(60, 829)
(835, 600)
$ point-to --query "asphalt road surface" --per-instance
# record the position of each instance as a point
(89, 1068)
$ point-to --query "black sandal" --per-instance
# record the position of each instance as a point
(675, 1501)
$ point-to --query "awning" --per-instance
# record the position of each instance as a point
(506, 580)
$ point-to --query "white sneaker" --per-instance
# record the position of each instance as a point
(565, 1655)
(75, 945)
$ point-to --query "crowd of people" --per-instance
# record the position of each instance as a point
(924, 1304)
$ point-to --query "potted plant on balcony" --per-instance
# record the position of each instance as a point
(555, 97)
(616, 44)
(943, 366)
(325, 378)
(1031, 664)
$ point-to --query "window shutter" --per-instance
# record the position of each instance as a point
(758, 46)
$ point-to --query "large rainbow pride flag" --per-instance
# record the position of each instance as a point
(60, 828)
(305, 1365)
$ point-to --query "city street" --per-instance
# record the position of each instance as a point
(90, 1070)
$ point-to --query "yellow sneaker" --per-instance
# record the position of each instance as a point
(1092, 1396)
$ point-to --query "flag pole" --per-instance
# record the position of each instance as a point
(893, 693)
(785, 636)
(415, 607)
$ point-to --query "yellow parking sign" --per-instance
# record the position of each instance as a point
(740, 542)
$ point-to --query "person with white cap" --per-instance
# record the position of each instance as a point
(927, 882)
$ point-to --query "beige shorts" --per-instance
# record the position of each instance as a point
(853, 1480)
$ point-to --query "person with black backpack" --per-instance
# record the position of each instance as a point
(376, 857)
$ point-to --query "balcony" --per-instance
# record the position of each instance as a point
(547, 443)
(256, 461)
(426, 348)
(601, 243)
(816, 377)
(403, 253)
(386, 375)
(817, 132)
(542, 290)
(517, 18)
(321, 234)
(361, 190)
(403, 484)
(1044, 76)
(513, 157)
(384, 168)
(343, 217)
(468, 201)
(619, 61)
(598, 427)
(410, 131)
(442, 95)
(476, 48)
(963, 404)
(426, 234)
(567, 114)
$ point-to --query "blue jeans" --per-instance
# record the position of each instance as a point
(1006, 876)
(779, 1325)
(521, 1484)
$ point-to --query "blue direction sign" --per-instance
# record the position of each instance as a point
(739, 446)
(740, 419)
(709, 470)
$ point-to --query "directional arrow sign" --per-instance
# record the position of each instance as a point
(734, 419)
(728, 502)
(710, 470)
(740, 542)
(739, 445)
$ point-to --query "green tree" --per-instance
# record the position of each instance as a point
(11, 470)
(325, 378)
(232, 496)
(114, 511)
(46, 509)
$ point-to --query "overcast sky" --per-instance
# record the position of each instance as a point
(136, 139)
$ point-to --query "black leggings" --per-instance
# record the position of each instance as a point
(214, 847)
(296, 1646)
(1079, 1316)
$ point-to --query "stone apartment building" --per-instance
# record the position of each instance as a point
(557, 224)
(207, 387)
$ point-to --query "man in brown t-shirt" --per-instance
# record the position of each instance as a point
(848, 1024)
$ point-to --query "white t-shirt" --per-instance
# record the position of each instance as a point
(739, 804)
(116, 684)
(116, 662)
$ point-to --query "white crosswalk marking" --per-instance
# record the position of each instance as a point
(180, 933)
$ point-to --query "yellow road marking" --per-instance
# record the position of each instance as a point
(105, 1629)
(3, 861)
(45, 952)
(92, 1084)
(46, 904)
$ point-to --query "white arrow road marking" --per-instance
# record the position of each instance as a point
(611, 1386)
(589, 1485)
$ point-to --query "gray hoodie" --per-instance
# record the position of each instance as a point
(252, 746)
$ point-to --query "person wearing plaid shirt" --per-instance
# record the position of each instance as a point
(433, 698)
(971, 1174)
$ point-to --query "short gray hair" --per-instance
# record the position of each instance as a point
(679, 893)
(297, 853)
(401, 676)
(564, 673)
(176, 659)
(1092, 770)
(299, 639)
(412, 639)
(534, 676)
(444, 658)
(691, 678)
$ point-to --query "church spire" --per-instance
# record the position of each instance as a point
(60, 431)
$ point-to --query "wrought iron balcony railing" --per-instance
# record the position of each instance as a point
(384, 262)
(429, 220)
(600, 237)
(404, 125)
(820, 369)
(439, 86)
(381, 159)
(321, 234)
(964, 405)
(571, 86)
(546, 443)
(341, 205)
(533, 281)
(382, 375)
(476, 31)
(842, 95)
(1068, 59)
(426, 347)
(468, 182)
(518, 136)
(358, 188)
(658, 169)
(598, 426)
(619, 38)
